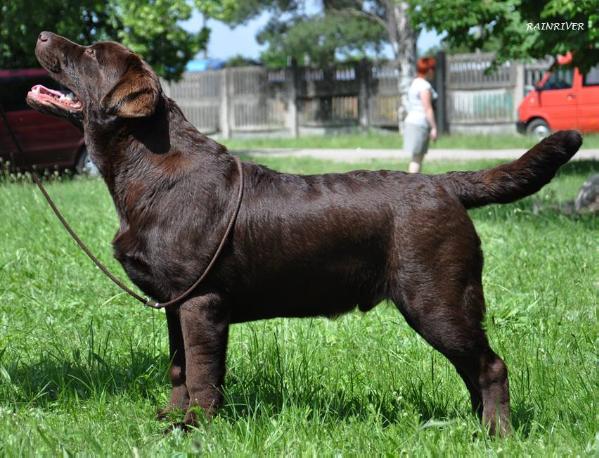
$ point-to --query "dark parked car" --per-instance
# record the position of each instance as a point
(47, 142)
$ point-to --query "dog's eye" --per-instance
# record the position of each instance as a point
(90, 52)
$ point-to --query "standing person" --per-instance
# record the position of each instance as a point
(419, 124)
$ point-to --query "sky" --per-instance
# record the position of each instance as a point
(226, 42)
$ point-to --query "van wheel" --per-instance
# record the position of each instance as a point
(538, 128)
(85, 165)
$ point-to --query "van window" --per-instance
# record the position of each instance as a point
(592, 77)
(13, 91)
(561, 78)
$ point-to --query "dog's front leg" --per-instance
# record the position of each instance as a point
(179, 394)
(205, 326)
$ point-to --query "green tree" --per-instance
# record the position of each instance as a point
(317, 37)
(150, 28)
(235, 12)
(293, 33)
(512, 26)
(342, 27)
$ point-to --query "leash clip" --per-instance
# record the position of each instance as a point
(152, 304)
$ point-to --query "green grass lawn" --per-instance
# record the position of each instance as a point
(83, 368)
(382, 140)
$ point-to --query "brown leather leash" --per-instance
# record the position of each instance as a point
(144, 300)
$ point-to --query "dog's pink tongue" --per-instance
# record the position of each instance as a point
(40, 89)
(42, 93)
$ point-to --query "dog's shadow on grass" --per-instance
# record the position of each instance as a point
(270, 396)
(84, 376)
(324, 404)
(49, 380)
(52, 380)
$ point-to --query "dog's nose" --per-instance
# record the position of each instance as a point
(43, 37)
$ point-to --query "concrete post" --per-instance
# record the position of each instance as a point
(292, 83)
(518, 86)
(441, 88)
(363, 75)
(225, 127)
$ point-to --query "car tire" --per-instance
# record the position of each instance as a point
(85, 166)
(538, 128)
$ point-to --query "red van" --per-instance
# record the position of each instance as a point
(563, 99)
(48, 142)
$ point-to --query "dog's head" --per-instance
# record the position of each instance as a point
(107, 81)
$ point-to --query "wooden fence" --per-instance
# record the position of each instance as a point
(484, 99)
(297, 100)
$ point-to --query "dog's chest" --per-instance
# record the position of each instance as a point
(155, 262)
(128, 247)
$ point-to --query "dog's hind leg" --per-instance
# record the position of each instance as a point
(179, 395)
(455, 330)
(440, 294)
(205, 325)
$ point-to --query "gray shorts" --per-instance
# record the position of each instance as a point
(415, 139)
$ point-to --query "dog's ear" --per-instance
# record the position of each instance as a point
(135, 95)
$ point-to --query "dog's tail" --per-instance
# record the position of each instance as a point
(515, 180)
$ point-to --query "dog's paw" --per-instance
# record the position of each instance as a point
(177, 406)
(191, 417)
(169, 412)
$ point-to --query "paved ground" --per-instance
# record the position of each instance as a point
(349, 155)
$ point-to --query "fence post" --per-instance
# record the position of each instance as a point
(225, 128)
(363, 75)
(441, 76)
(518, 86)
(292, 82)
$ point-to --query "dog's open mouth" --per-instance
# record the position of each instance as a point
(44, 96)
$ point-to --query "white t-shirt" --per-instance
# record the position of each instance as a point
(415, 108)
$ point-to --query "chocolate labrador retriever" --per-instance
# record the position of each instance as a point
(314, 245)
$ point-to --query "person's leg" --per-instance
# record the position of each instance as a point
(409, 138)
(416, 143)
(415, 163)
